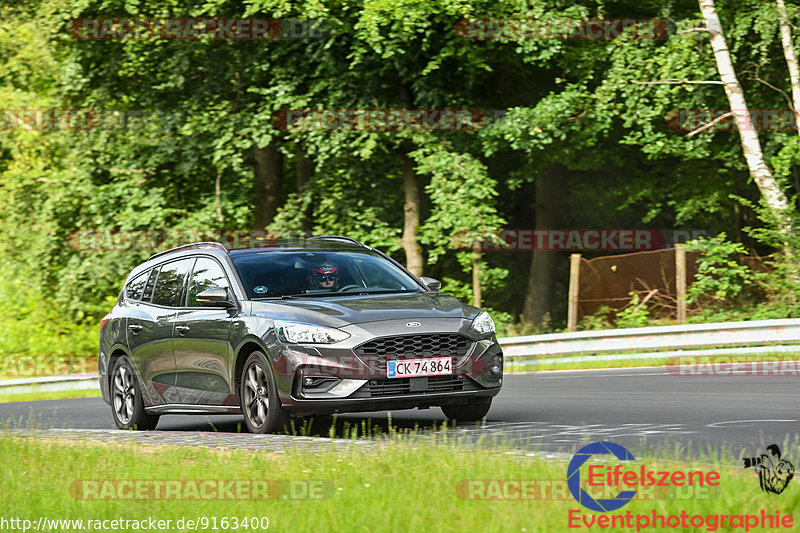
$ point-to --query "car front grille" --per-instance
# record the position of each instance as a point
(416, 345)
(401, 386)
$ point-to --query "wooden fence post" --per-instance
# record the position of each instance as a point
(680, 281)
(574, 280)
(476, 274)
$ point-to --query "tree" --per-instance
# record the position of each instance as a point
(773, 196)
(791, 60)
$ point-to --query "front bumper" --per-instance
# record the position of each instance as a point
(343, 380)
(410, 401)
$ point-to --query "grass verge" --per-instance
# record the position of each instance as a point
(51, 395)
(393, 486)
(590, 362)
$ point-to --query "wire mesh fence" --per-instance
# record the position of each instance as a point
(610, 281)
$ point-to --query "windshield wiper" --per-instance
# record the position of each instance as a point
(368, 292)
(288, 296)
(335, 294)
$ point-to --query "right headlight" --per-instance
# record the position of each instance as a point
(300, 333)
(483, 323)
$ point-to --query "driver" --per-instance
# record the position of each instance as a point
(325, 276)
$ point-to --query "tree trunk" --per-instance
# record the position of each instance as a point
(772, 194)
(304, 169)
(218, 196)
(791, 61)
(268, 171)
(411, 218)
(541, 281)
(477, 294)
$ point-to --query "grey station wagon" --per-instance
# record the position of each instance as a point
(313, 326)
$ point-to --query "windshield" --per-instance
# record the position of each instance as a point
(275, 274)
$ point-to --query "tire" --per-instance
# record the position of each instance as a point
(258, 395)
(127, 405)
(468, 412)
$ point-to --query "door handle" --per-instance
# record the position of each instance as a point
(135, 328)
(182, 329)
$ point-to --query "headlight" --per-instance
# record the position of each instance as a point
(299, 333)
(483, 323)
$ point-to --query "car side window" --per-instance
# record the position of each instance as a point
(207, 273)
(169, 288)
(151, 283)
(135, 288)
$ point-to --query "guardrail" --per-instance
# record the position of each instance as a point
(753, 337)
(765, 333)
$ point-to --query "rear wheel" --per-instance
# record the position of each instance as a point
(258, 394)
(468, 412)
(127, 405)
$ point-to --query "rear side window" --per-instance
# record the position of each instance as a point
(135, 288)
(207, 274)
(169, 289)
(151, 283)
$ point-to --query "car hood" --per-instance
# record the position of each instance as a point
(345, 310)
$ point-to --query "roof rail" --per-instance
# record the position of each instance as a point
(195, 245)
(339, 238)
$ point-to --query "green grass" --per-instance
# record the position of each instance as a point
(586, 365)
(54, 395)
(393, 486)
(655, 360)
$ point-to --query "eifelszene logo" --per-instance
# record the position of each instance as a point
(774, 473)
(574, 476)
(637, 476)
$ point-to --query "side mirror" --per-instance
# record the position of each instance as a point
(431, 283)
(214, 297)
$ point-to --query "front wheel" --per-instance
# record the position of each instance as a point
(258, 394)
(468, 412)
(127, 405)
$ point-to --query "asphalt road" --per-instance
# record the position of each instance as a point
(550, 411)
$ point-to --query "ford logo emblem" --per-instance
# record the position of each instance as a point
(413, 324)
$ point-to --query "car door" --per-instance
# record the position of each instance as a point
(150, 326)
(203, 353)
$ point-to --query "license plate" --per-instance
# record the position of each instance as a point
(440, 366)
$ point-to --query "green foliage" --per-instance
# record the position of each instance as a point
(202, 108)
(502, 321)
(635, 314)
(720, 275)
(33, 325)
(600, 319)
